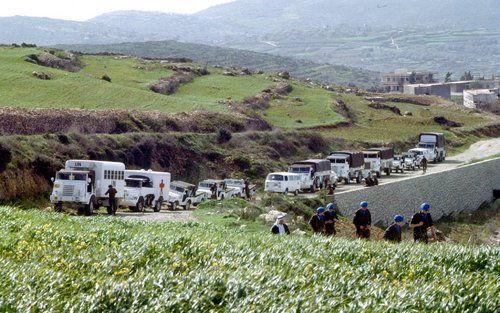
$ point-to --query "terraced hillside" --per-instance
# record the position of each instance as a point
(207, 122)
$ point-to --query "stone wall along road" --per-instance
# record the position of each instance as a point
(458, 189)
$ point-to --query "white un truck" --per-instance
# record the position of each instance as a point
(348, 165)
(379, 160)
(146, 189)
(82, 185)
(314, 174)
(435, 143)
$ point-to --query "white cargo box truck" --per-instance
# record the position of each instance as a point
(314, 174)
(434, 142)
(83, 184)
(146, 189)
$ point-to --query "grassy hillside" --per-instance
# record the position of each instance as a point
(205, 54)
(61, 263)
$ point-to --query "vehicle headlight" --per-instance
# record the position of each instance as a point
(57, 185)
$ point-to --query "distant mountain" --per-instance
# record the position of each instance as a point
(205, 54)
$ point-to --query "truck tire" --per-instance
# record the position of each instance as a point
(222, 198)
(158, 205)
(402, 170)
(139, 207)
(313, 189)
(285, 192)
(388, 171)
(89, 208)
(347, 180)
(174, 206)
(296, 193)
(58, 207)
(187, 207)
(378, 175)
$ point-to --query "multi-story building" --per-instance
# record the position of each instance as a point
(395, 81)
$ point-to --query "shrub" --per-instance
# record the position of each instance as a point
(106, 78)
(5, 158)
(242, 162)
(223, 135)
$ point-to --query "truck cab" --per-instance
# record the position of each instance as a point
(314, 174)
(347, 165)
(372, 163)
(239, 185)
(221, 191)
(420, 153)
(146, 189)
(185, 195)
(82, 185)
(434, 142)
(283, 182)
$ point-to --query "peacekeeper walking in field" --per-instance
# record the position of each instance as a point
(423, 163)
(317, 222)
(393, 232)
(330, 219)
(421, 222)
(280, 227)
(111, 193)
(363, 221)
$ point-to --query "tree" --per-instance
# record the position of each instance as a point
(413, 77)
(447, 78)
(467, 76)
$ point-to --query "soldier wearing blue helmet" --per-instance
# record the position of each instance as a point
(393, 232)
(421, 222)
(363, 221)
(330, 219)
(317, 222)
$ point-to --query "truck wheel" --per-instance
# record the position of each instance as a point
(58, 207)
(347, 180)
(296, 193)
(378, 175)
(402, 170)
(435, 160)
(222, 198)
(187, 207)
(139, 207)
(158, 205)
(174, 206)
(313, 189)
(89, 208)
(388, 172)
(358, 179)
(285, 192)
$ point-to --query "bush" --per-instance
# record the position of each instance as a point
(5, 158)
(242, 162)
(106, 78)
(223, 135)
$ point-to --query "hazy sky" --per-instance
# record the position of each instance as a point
(85, 9)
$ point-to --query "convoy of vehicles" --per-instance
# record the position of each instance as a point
(314, 174)
(435, 143)
(83, 184)
(283, 182)
(347, 165)
(185, 195)
(146, 189)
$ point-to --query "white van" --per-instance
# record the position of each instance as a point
(419, 154)
(82, 185)
(146, 189)
(283, 182)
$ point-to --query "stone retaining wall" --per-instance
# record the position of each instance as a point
(455, 190)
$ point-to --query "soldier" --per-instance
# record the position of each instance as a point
(112, 200)
(330, 219)
(363, 221)
(421, 222)
(424, 165)
(317, 222)
(393, 232)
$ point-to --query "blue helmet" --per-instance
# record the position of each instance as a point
(425, 207)
(363, 204)
(330, 206)
(399, 218)
(320, 210)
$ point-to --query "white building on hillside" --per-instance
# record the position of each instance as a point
(484, 99)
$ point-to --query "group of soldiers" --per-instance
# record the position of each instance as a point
(323, 222)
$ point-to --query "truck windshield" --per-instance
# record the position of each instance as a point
(275, 177)
(133, 183)
(339, 161)
(206, 185)
(178, 189)
(370, 155)
(300, 170)
(426, 145)
(234, 182)
(418, 152)
(71, 176)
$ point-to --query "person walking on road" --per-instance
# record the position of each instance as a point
(423, 163)
(363, 221)
(280, 227)
(111, 193)
(393, 232)
(330, 219)
(421, 223)
(248, 196)
(317, 222)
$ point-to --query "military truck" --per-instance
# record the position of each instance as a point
(314, 174)
(435, 143)
(348, 165)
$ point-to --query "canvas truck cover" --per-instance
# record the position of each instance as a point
(437, 138)
(385, 152)
(356, 159)
(318, 165)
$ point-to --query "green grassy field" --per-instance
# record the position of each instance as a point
(54, 262)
